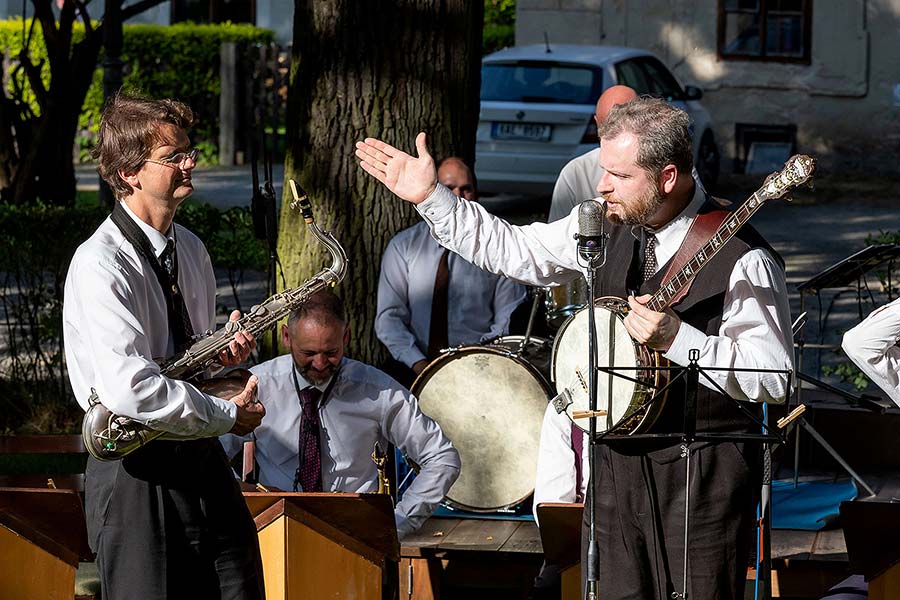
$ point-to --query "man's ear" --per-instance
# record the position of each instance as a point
(667, 178)
(130, 177)
(285, 336)
(347, 335)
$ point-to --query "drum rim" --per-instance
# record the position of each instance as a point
(458, 352)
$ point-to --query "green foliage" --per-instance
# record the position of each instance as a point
(37, 242)
(499, 25)
(848, 373)
(174, 61)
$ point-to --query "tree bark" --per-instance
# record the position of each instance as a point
(385, 69)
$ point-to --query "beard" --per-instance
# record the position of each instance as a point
(637, 211)
(317, 377)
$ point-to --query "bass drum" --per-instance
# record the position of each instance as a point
(490, 403)
(626, 390)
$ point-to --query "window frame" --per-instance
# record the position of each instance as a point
(762, 12)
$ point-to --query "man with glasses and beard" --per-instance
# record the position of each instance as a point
(735, 314)
(168, 520)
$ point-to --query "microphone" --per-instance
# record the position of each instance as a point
(591, 238)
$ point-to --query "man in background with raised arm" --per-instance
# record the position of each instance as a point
(735, 314)
(430, 299)
(168, 520)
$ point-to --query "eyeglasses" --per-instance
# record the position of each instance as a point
(177, 160)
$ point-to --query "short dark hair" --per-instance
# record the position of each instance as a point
(129, 131)
(663, 133)
(322, 305)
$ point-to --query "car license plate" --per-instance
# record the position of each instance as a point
(521, 131)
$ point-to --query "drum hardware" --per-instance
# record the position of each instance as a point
(587, 414)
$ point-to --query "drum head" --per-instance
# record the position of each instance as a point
(491, 406)
(615, 348)
(538, 352)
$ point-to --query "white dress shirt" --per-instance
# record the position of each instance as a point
(756, 326)
(364, 406)
(872, 345)
(576, 183)
(115, 324)
(479, 304)
(556, 478)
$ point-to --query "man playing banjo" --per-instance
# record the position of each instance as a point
(735, 314)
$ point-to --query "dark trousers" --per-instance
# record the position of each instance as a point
(169, 521)
(640, 521)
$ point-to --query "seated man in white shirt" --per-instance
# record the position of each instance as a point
(476, 306)
(325, 413)
(872, 345)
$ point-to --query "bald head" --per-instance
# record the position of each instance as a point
(456, 175)
(617, 94)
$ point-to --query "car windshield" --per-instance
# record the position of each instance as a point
(540, 82)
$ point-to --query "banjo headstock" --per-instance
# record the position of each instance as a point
(797, 170)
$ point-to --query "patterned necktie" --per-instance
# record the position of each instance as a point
(649, 256)
(183, 331)
(437, 331)
(309, 471)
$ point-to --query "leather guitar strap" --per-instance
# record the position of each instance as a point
(700, 233)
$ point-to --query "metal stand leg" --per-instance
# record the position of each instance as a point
(815, 434)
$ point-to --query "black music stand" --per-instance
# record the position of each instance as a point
(691, 374)
(842, 274)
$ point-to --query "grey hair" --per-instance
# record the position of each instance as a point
(321, 306)
(663, 133)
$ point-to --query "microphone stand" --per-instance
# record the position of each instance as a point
(592, 263)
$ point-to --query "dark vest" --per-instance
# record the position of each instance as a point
(702, 308)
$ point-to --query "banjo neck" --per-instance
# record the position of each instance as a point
(798, 169)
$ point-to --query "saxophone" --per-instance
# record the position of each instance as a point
(108, 436)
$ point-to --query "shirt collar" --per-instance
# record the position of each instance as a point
(157, 240)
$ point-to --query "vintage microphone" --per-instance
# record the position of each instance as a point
(591, 256)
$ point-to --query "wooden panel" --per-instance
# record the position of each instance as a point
(429, 536)
(571, 583)
(829, 545)
(272, 541)
(27, 571)
(472, 534)
(792, 543)
(525, 539)
(41, 444)
(53, 519)
(886, 586)
(317, 568)
(420, 578)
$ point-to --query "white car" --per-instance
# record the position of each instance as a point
(537, 109)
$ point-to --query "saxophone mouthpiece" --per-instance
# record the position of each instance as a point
(301, 201)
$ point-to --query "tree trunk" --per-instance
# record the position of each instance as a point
(385, 69)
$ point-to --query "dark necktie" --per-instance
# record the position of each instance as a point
(182, 329)
(309, 471)
(649, 256)
(437, 332)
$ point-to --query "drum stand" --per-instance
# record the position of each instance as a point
(691, 375)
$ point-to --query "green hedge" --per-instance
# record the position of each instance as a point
(173, 61)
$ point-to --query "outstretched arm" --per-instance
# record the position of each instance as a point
(412, 179)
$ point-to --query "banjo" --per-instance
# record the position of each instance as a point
(625, 398)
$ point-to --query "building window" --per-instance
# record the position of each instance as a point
(768, 30)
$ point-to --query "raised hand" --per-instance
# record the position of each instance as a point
(413, 179)
(249, 410)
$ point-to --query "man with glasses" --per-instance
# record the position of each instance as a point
(168, 520)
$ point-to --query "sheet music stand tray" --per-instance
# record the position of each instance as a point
(43, 537)
(323, 545)
(560, 529)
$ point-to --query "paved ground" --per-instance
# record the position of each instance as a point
(817, 230)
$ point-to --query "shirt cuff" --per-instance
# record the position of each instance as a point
(688, 338)
(222, 420)
(410, 357)
(438, 205)
(404, 526)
